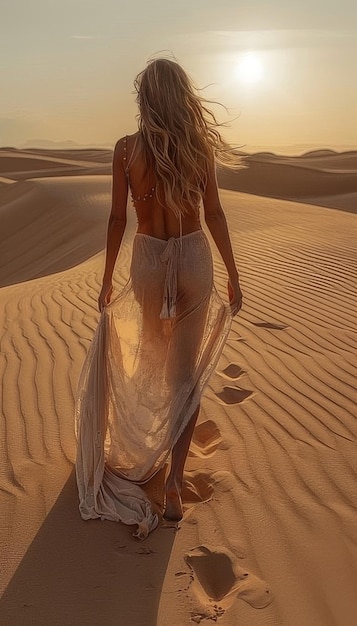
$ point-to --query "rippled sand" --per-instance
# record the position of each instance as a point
(269, 535)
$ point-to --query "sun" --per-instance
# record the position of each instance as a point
(250, 68)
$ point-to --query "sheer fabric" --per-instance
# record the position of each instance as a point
(153, 351)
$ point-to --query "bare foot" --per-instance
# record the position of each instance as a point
(173, 507)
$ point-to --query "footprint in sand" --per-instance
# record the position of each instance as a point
(218, 580)
(232, 371)
(206, 439)
(233, 395)
(197, 486)
(270, 325)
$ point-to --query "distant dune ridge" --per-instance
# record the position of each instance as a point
(269, 531)
(321, 177)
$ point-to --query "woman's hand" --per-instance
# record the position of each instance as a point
(235, 296)
(105, 295)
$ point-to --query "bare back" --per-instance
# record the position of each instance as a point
(153, 219)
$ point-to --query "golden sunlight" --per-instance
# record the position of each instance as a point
(250, 68)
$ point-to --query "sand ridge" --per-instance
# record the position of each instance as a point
(323, 178)
(268, 535)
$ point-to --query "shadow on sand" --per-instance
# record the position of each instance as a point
(84, 573)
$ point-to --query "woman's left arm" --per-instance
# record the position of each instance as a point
(116, 223)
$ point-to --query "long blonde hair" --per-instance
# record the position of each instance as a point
(180, 136)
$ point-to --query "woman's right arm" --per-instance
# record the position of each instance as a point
(217, 225)
(116, 223)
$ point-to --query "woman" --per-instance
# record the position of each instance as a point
(158, 342)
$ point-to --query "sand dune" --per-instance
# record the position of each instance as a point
(48, 225)
(20, 165)
(79, 154)
(297, 178)
(317, 159)
(269, 531)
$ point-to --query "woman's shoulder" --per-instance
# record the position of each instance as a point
(133, 136)
(126, 138)
(124, 150)
(123, 142)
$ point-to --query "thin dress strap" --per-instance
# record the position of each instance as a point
(131, 160)
(124, 157)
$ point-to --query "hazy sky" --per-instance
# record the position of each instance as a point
(286, 69)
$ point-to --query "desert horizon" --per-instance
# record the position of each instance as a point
(278, 149)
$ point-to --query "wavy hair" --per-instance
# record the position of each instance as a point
(179, 133)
